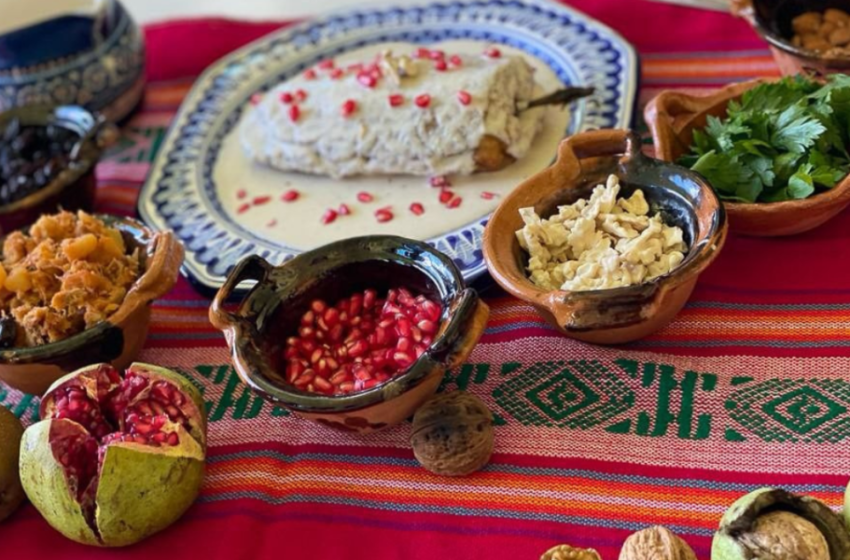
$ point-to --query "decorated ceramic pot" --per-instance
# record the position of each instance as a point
(71, 52)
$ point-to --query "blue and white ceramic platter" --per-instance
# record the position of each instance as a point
(201, 182)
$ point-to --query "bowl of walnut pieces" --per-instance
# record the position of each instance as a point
(805, 36)
(75, 289)
(606, 244)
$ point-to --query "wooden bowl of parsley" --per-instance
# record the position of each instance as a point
(776, 152)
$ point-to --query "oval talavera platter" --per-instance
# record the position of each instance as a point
(223, 207)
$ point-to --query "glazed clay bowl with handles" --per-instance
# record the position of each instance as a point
(772, 20)
(120, 338)
(616, 315)
(74, 187)
(271, 311)
(672, 118)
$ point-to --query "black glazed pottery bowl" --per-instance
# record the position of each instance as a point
(120, 338)
(73, 187)
(271, 311)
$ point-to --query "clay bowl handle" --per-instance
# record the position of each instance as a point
(252, 267)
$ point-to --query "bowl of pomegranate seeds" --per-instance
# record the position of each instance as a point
(356, 334)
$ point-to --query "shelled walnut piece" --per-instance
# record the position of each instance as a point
(567, 552)
(69, 272)
(827, 33)
(656, 543)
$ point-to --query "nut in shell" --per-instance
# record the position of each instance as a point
(453, 434)
(656, 543)
(567, 552)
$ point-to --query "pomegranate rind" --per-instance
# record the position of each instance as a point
(193, 408)
(46, 486)
(85, 378)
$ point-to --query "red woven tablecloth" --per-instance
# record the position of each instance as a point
(747, 388)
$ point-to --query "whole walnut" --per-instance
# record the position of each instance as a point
(567, 552)
(453, 434)
(656, 543)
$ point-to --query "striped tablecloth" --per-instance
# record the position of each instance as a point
(748, 387)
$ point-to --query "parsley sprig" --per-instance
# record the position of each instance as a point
(783, 141)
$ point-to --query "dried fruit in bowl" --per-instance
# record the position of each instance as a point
(115, 460)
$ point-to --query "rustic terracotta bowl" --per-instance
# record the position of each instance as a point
(74, 187)
(772, 20)
(672, 118)
(270, 313)
(621, 314)
(117, 340)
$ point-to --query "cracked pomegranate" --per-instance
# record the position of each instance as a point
(115, 460)
(361, 341)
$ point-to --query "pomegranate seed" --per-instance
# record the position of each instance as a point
(305, 378)
(241, 193)
(403, 359)
(492, 52)
(336, 333)
(464, 97)
(436, 54)
(349, 107)
(256, 99)
(331, 316)
(243, 208)
(318, 306)
(306, 332)
(308, 318)
(440, 65)
(339, 377)
(422, 101)
(417, 209)
(369, 298)
(364, 197)
(446, 196)
(346, 387)
(486, 195)
(440, 181)
(260, 200)
(456, 60)
(337, 73)
(404, 345)
(422, 52)
(367, 80)
(300, 95)
(427, 326)
(286, 97)
(294, 113)
(329, 216)
(383, 216)
(290, 196)
(326, 64)
(396, 99)
(309, 74)
(356, 67)
(362, 374)
(455, 202)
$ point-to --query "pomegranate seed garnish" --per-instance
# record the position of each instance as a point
(356, 67)
(294, 113)
(456, 60)
(349, 107)
(446, 196)
(272, 223)
(241, 193)
(318, 306)
(422, 52)
(455, 202)
(396, 99)
(260, 200)
(286, 97)
(486, 195)
(329, 216)
(383, 216)
(367, 80)
(440, 65)
(436, 54)
(243, 208)
(344, 210)
(290, 195)
(492, 52)
(326, 64)
(300, 95)
(256, 99)
(365, 197)
(464, 97)
(337, 73)
(417, 208)
(440, 181)
(309, 74)
(422, 101)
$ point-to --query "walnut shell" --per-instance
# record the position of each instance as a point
(567, 552)
(782, 534)
(656, 543)
(453, 434)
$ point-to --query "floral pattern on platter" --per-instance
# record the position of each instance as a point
(94, 79)
(180, 192)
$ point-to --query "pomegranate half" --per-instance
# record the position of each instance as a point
(115, 460)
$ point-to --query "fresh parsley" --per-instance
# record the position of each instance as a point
(782, 141)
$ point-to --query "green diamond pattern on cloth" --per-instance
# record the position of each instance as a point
(793, 410)
(576, 395)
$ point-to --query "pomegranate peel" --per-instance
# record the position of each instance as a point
(118, 486)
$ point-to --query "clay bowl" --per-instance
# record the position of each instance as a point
(672, 118)
(117, 340)
(74, 188)
(271, 311)
(621, 314)
(772, 20)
